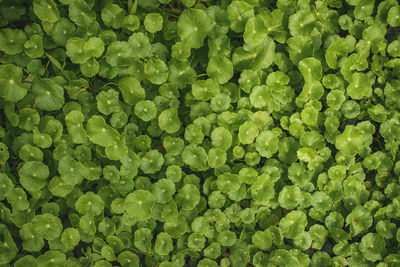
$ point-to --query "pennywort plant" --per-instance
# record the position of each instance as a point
(204, 133)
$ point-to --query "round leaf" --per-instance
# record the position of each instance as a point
(193, 26)
(139, 204)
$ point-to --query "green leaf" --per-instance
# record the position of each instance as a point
(117, 151)
(70, 238)
(260, 96)
(132, 91)
(52, 258)
(290, 197)
(59, 187)
(248, 131)
(42, 140)
(293, 224)
(302, 23)
(262, 189)
(46, 10)
(27, 260)
(360, 86)
(239, 12)
(142, 239)
(372, 247)
(335, 99)
(112, 15)
(393, 48)
(227, 238)
(311, 69)
(108, 253)
(47, 225)
(81, 14)
(48, 94)
(393, 16)
(228, 182)
(127, 258)
(18, 199)
(163, 190)
(386, 229)
(194, 134)
(28, 118)
(213, 251)
(54, 62)
(108, 102)
(205, 89)
(168, 120)
(156, 71)
(300, 47)
(195, 157)
(100, 133)
(140, 46)
(75, 50)
(163, 244)
(221, 138)
(364, 9)
(267, 144)
(33, 175)
(216, 157)
(321, 201)
(94, 47)
(146, 110)
(6, 186)
(248, 79)
(89, 203)
(34, 46)
(337, 48)
(359, 220)
(62, 32)
(70, 170)
(319, 235)
(274, 22)
(193, 26)
(176, 228)
(153, 22)
(188, 197)
(181, 73)
(12, 41)
(306, 154)
(220, 103)
(120, 54)
(74, 120)
(131, 22)
(255, 31)
(303, 241)
(373, 34)
(350, 141)
(10, 78)
(31, 240)
(262, 239)
(220, 69)
(139, 204)
(255, 57)
(151, 162)
(7, 247)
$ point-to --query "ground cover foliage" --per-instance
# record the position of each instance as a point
(199, 133)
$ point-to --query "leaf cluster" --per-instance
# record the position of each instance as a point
(199, 133)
